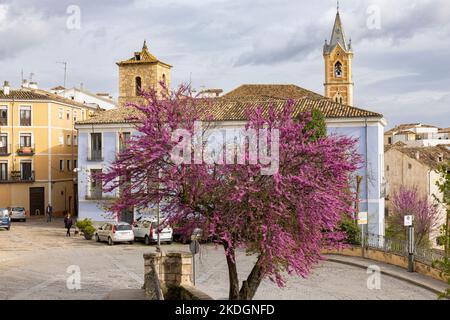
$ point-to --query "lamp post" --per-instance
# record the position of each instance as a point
(408, 222)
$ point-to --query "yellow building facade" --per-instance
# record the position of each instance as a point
(38, 150)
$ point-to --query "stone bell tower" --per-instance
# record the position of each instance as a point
(338, 56)
(141, 72)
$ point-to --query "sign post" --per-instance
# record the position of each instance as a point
(195, 248)
(408, 222)
(362, 221)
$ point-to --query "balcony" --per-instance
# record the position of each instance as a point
(5, 150)
(19, 177)
(25, 150)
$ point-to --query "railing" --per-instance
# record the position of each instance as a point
(19, 177)
(25, 150)
(422, 253)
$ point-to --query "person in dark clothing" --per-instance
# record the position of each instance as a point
(68, 222)
(49, 212)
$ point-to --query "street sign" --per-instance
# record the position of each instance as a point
(408, 221)
(194, 246)
(362, 218)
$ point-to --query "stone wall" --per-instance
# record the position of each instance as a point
(168, 276)
(389, 258)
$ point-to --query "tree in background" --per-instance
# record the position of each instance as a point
(407, 201)
(284, 219)
(444, 239)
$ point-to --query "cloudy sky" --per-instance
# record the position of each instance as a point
(401, 63)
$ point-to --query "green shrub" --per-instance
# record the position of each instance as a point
(351, 229)
(85, 226)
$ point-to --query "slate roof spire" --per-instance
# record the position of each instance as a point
(338, 35)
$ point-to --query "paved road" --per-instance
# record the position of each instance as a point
(35, 257)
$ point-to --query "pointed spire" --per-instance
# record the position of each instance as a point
(144, 47)
(338, 35)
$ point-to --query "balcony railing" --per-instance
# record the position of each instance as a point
(19, 177)
(96, 155)
(25, 150)
(5, 150)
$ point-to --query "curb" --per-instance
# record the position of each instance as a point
(389, 273)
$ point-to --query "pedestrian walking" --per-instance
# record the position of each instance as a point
(49, 212)
(68, 222)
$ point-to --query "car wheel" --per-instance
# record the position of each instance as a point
(8, 228)
(169, 242)
(97, 239)
(110, 242)
(147, 240)
(131, 242)
(24, 220)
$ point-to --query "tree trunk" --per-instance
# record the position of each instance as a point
(252, 283)
(232, 274)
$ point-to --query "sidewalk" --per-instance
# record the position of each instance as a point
(415, 278)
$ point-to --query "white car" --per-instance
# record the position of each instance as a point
(18, 213)
(113, 232)
(146, 230)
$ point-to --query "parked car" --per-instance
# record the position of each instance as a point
(146, 229)
(17, 213)
(113, 232)
(185, 236)
(5, 219)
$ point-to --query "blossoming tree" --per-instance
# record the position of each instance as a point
(284, 219)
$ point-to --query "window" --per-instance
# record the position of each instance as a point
(96, 184)
(67, 114)
(3, 171)
(3, 115)
(26, 174)
(75, 164)
(61, 165)
(390, 140)
(3, 144)
(409, 166)
(25, 140)
(75, 140)
(75, 115)
(124, 137)
(96, 146)
(138, 86)
(60, 113)
(25, 116)
(68, 165)
(164, 78)
(338, 70)
(68, 140)
(83, 115)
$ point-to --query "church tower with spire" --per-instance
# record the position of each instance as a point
(338, 56)
(143, 71)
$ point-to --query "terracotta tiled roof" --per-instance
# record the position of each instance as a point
(407, 126)
(444, 130)
(233, 106)
(39, 95)
(428, 156)
(143, 56)
(119, 115)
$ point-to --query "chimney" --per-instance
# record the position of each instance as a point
(417, 155)
(33, 85)
(25, 83)
(6, 88)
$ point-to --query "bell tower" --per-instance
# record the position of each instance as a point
(338, 56)
(141, 72)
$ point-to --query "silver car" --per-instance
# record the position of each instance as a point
(146, 229)
(18, 213)
(113, 232)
